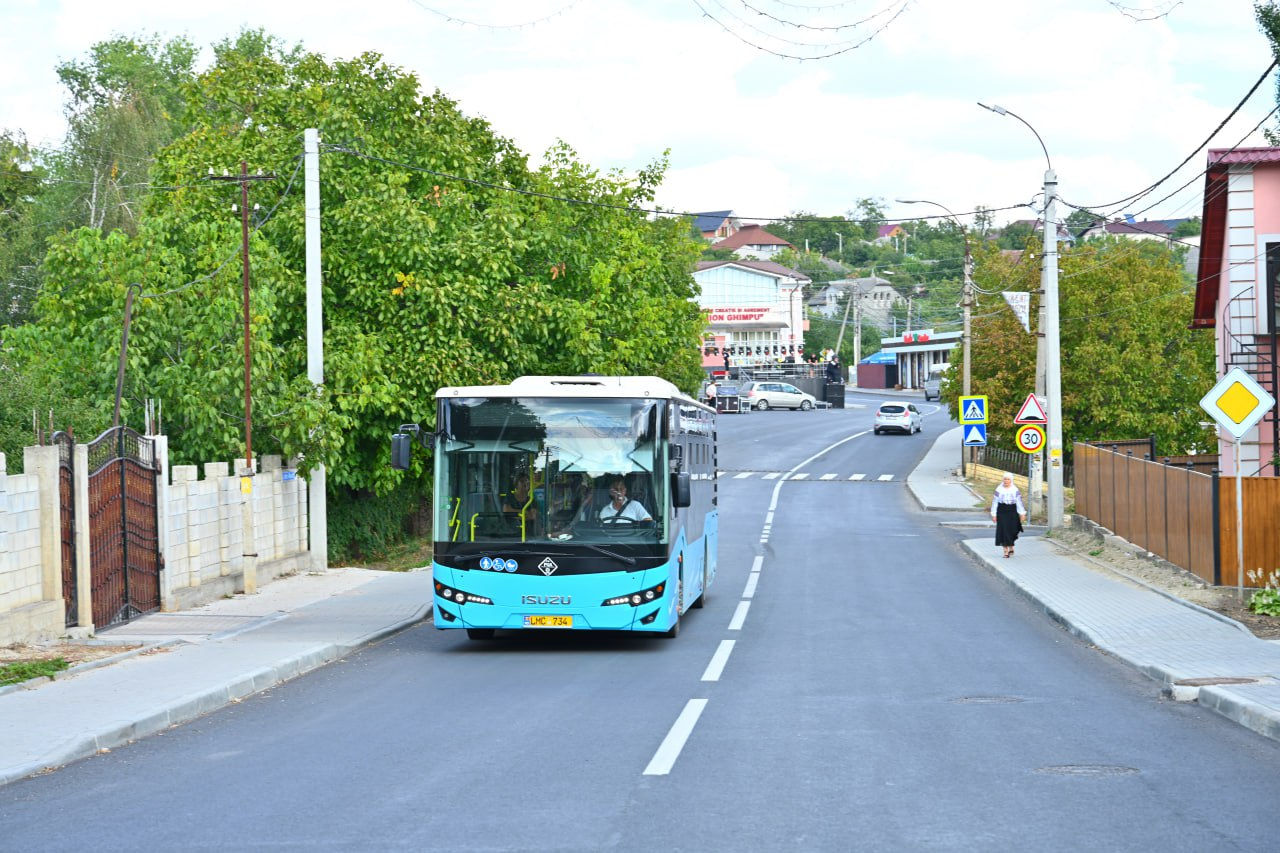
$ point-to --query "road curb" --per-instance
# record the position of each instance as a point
(1226, 701)
(206, 700)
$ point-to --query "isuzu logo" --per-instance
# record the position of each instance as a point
(547, 567)
(546, 599)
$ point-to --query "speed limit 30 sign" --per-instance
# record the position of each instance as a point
(1030, 438)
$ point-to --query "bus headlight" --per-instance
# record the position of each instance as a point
(457, 596)
(635, 599)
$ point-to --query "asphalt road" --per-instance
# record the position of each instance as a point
(867, 687)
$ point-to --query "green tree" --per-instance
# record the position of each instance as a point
(126, 100)
(21, 182)
(430, 279)
(1130, 365)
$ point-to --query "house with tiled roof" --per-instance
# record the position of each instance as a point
(752, 241)
(716, 224)
(1238, 287)
(888, 233)
(876, 297)
(1130, 229)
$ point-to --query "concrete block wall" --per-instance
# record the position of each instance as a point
(28, 612)
(202, 536)
(20, 572)
(205, 558)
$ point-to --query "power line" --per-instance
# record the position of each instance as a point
(1199, 148)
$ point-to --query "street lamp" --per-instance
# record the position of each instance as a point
(966, 302)
(1048, 343)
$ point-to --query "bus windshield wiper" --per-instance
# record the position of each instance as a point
(621, 558)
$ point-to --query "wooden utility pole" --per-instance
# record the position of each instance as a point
(243, 179)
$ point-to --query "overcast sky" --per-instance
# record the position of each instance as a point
(1118, 101)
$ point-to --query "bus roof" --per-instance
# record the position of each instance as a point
(573, 386)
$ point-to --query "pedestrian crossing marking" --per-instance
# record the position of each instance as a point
(811, 477)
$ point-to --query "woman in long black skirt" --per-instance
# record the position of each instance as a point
(1008, 513)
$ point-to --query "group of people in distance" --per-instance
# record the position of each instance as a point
(576, 506)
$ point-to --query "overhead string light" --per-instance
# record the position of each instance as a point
(823, 50)
(463, 22)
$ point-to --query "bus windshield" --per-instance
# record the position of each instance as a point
(550, 469)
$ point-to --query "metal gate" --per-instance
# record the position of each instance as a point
(124, 544)
(67, 519)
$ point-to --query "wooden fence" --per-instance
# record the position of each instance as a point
(1183, 515)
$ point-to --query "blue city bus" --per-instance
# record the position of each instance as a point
(572, 502)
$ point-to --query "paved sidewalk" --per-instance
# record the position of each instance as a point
(1184, 647)
(936, 483)
(205, 658)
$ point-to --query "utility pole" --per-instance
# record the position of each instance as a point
(857, 339)
(317, 497)
(250, 555)
(848, 303)
(1053, 360)
(243, 179)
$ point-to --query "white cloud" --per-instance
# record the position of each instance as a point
(1117, 102)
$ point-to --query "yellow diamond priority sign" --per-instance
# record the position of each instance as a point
(1237, 402)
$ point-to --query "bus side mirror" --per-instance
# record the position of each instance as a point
(681, 489)
(401, 450)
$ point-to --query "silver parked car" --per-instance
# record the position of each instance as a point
(776, 395)
(898, 417)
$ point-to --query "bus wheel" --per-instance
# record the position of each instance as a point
(701, 600)
(674, 630)
(480, 633)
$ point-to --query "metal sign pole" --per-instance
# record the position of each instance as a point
(1239, 527)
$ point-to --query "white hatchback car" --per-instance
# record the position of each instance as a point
(776, 395)
(898, 417)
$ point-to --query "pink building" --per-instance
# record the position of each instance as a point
(1237, 291)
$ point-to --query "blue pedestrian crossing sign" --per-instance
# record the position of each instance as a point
(975, 435)
(973, 410)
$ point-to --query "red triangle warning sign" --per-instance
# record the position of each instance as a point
(1031, 412)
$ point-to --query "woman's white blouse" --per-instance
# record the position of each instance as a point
(1010, 495)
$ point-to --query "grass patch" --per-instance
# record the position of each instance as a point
(402, 557)
(25, 670)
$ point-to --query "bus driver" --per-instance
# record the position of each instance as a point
(620, 506)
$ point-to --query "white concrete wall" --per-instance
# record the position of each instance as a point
(202, 540)
(27, 614)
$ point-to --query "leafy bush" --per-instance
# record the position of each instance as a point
(1266, 600)
(363, 526)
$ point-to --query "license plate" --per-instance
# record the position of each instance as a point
(548, 621)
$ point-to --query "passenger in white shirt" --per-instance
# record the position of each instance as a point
(620, 506)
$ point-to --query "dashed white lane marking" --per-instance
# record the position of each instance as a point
(858, 477)
(773, 475)
(739, 616)
(718, 660)
(803, 475)
(743, 475)
(828, 477)
(884, 478)
(752, 580)
(669, 750)
(757, 563)
(768, 520)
